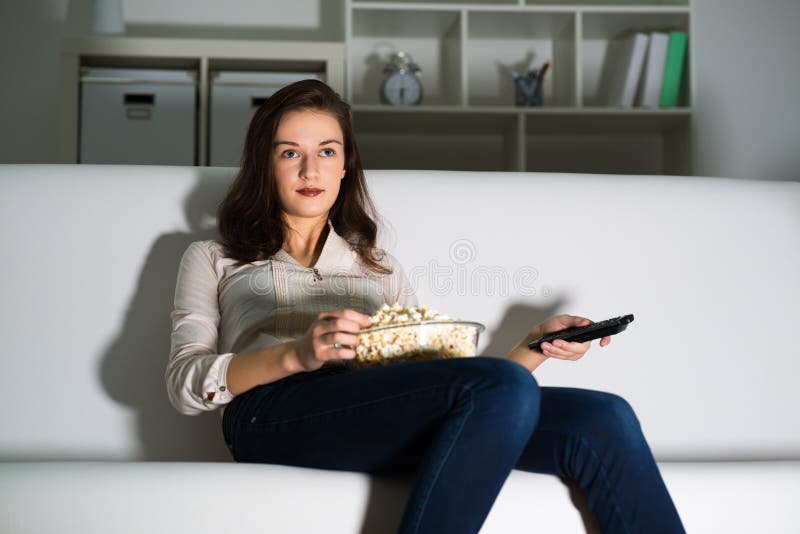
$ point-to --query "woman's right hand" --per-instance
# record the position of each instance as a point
(335, 327)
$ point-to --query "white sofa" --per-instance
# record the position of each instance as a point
(710, 267)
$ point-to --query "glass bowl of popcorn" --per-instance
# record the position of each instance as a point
(416, 333)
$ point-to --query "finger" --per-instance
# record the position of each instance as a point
(573, 346)
(344, 353)
(341, 338)
(569, 321)
(342, 325)
(605, 341)
(325, 328)
(552, 351)
(556, 351)
(342, 346)
(329, 349)
(576, 320)
(361, 319)
(333, 342)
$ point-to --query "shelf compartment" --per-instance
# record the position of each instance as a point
(594, 154)
(432, 37)
(421, 4)
(607, 121)
(609, 141)
(498, 42)
(600, 29)
(412, 139)
(613, 3)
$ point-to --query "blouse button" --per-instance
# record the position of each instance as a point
(222, 388)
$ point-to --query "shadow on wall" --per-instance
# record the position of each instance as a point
(518, 319)
(132, 369)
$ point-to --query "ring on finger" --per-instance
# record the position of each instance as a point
(337, 345)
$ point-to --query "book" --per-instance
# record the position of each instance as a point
(649, 93)
(674, 69)
(625, 59)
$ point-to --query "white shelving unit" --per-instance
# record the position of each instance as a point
(201, 56)
(468, 120)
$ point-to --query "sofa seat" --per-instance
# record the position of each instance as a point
(174, 497)
(708, 266)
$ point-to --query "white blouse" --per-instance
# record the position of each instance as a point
(221, 310)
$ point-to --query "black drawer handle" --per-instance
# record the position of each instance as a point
(134, 99)
(256, 101)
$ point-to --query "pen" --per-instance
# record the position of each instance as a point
(543, 70)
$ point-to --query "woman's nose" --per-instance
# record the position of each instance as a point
(310, 168)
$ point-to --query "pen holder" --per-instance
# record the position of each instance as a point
(528, 88)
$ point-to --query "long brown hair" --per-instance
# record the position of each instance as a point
(249, 217)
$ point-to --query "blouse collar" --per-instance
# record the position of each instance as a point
(336, 253)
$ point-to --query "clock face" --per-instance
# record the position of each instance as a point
(402, 88)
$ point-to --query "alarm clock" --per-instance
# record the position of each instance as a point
(401, 86)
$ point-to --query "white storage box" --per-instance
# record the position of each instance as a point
(137, 116)
(235, 96)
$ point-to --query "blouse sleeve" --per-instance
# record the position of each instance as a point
(196, 372)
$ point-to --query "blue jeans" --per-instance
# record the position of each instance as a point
(459, 426)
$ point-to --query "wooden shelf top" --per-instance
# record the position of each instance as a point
(207, 48)
(557, 8)
(510, 110)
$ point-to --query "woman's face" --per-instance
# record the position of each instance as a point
(308, 163)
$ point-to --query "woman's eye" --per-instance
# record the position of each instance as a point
(328, 152)
(289, 154)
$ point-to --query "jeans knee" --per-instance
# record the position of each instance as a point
(513, 388)
(614, 413)
(616, 409)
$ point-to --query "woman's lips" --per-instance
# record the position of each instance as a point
(309, 191)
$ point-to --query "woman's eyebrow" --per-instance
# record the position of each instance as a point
(292, 143)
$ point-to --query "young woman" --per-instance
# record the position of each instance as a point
(264, 317)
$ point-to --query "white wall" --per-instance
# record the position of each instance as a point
(29, 34)
(747, 101)
(747, 119)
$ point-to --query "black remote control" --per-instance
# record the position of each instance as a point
(609, 327)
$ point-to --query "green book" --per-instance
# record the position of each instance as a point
(674, 68)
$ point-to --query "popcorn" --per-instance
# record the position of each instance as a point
(396, 314)
(399, 333)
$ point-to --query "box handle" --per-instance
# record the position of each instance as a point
(138, 113)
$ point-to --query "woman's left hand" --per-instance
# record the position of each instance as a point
(559, 349)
